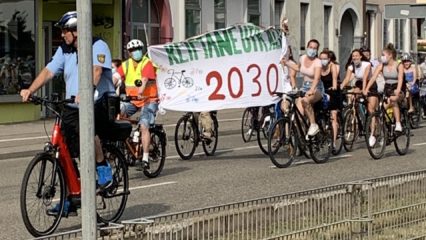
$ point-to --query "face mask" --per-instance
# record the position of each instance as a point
(324, 62)
(384, 59)
(311, 52)
(137, 55)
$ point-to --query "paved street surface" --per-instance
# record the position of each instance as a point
(238, 172)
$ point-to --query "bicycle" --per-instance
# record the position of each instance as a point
(52, 174)
(188, 136)
(384, 130)
(250, 123)
(414, 117)
(354, 119)
(133, 150)
(171, 82)
(290, 132)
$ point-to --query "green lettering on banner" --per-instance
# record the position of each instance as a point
(171, 55)
(192, 52)
(223, 43)
(262, 44)
(180, 56)
(205, 48)
(245, 39)
(212, 45)
(274, 40)
(233, 41)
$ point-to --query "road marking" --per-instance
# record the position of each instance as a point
(218, 151)
(22, 139)
(310, 160)
(152, 185)
(419, 144)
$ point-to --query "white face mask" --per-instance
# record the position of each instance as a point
(384, 59)
(311, 52)
(324, 62)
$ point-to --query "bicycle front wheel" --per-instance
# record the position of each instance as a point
(185, 138)
(414, 117)
(42, 188)
(338, 132)
(264, 132)
(320, 144)
(210, 145)
(350, 130)
(247, 125)
(402, 140)
(111, 202)
(157, 155)
(376, 135)
(282, 143)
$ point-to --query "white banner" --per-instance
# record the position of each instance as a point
(236, 67)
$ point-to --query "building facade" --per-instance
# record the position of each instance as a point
(28, 38)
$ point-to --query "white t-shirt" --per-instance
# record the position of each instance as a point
(359, 72)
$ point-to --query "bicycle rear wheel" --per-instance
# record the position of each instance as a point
(210, 145)
(111, 202)
(376, 127)
(350, 130)
(414, 117)
(185, 138)
(282, 143)
(338, 143)
(157, 155)
(402, 140)
(320, 144)
(266, 122)
(42, 188)
(247, 124)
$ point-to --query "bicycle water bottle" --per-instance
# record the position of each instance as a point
(389, 112)
(136, 135)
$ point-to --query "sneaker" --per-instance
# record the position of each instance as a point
(424, 116)
(372, 141)
(69, 210)
(104, 176)
(313, 129)
(398, 127)
(144, 165)
(208, 135)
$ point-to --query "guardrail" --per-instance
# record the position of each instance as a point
(391, 207)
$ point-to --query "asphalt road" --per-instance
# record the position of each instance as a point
(238, 171)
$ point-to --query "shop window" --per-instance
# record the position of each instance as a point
(219, 14)
(192, 18)
(17, 45)
(254, 12)
(145, 22)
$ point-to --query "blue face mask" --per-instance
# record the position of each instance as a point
(311, 52)
(137, 55)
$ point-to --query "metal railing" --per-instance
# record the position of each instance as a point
(391, 207)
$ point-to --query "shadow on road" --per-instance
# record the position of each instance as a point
(167, 171)
(144, 210)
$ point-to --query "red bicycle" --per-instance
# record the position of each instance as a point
(53, 176)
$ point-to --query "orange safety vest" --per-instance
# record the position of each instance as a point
(150, 92)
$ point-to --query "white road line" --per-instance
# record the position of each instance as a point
(419, 144)
(218, 151)
(22, 139)
(152, 185)
(310, 160)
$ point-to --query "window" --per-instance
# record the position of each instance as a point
(17, 45)
(327, 15)
(279, 5)
(192, 18)
(254, 12)
(219, 14)
(145, 22)
(385, 32)
(303, 21)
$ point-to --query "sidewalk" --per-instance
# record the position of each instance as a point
(26, 139)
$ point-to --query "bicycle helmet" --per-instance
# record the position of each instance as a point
(68, 21)
(406, 57)
(134, 43)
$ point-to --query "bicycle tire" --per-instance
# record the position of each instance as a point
(414, 117)
(286, 139)
(350, 130)
(264, 131)
(157, 155)
(320, 144)
(170, 83)
(401, 147)
(48, 197)
(338, 144)
(118, 191)
(209, 147)
(380, 132)
(190, 137)
(187, 82)
(247, 120)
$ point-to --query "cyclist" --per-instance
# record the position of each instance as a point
(65, 61)
(411, 79)
(393, 73)
(140, 67)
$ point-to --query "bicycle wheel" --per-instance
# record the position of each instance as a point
(320, 144)
(42, 188)
(350, 130)
(209, 146)
(247, 125)
(282, 143)
(338, 143)
(266, 122)
(111, 202)
(379, 132)
(402, 140)
(170, 83)
(187, 82)
(185, 138)
(414, 117)
(157, 155)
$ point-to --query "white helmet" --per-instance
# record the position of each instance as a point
(134, 43)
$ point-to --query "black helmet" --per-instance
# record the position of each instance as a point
(68, 21)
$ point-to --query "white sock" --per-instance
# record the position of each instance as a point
(145, 157)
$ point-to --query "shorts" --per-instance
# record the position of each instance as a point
(390, 88)
(148, 112)
(307, 85)
(336, 99)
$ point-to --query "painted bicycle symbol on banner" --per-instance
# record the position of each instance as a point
(179, 79)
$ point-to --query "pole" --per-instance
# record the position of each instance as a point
(87, 130)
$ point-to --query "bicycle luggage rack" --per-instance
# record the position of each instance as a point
(111, 231)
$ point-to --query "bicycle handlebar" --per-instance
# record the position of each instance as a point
(55, 101)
